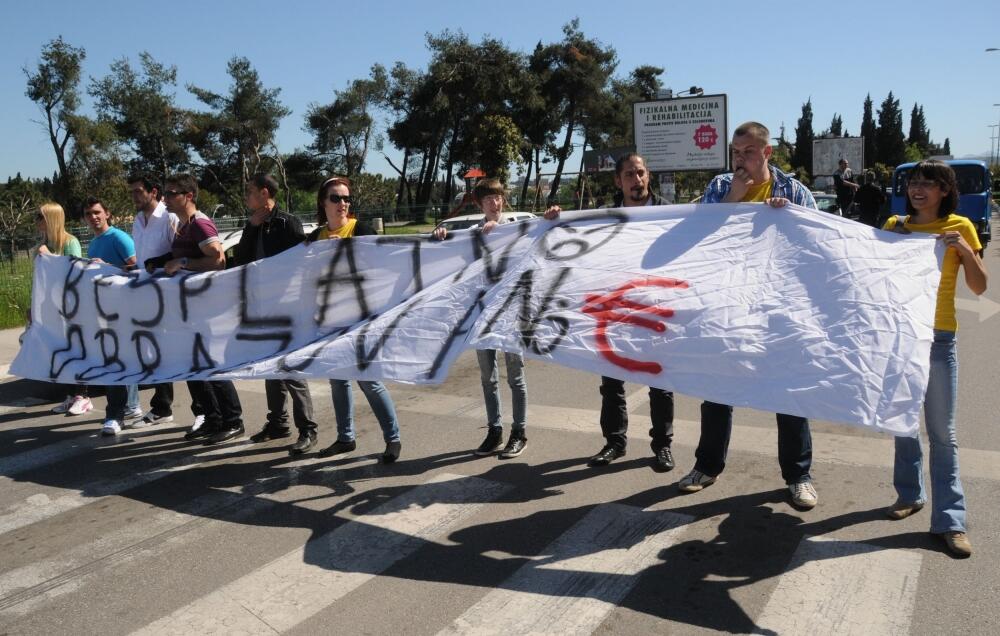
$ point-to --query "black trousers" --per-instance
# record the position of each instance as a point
(302, 407)
(794, 443)
(163, 399)
(219, 403)
(614, 415)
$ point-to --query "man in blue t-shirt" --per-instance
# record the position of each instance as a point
(114, 247)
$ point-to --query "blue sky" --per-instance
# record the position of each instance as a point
(769, 57)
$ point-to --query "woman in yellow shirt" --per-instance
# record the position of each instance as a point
(333, 206)
(932, 198)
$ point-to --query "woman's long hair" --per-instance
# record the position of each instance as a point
(942, 174)
(56, 236)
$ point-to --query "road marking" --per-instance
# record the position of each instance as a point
(844, 588)
(298, 585)
(847, 450)
(982, 305)
(593, 567)
(35, 508)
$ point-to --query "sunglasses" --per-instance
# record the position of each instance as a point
(173, 193)
(336, 198)
(920, 184)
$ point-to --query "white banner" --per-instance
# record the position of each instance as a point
(785, 310)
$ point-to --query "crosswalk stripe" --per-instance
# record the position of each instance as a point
(40, 506)
(848, 450)
(844, 588)
(593, 566)
(289, 590)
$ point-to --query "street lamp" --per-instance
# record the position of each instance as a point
(993, 137)
(992, 162)
(694, 90)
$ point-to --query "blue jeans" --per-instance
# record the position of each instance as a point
(489, 374)
(378, 399)
(132, 397)
(947, 497)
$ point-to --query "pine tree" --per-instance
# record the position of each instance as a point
(919, 134)
(836, 126)
(868, 131)
(947, 146)
(890, 143)
(802, 157)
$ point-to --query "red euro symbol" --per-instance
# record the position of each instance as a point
(606, 308)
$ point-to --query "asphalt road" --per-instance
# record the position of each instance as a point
(148, 533)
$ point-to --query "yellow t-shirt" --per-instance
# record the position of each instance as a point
(944, 314)
(345, 231)
(758, 193)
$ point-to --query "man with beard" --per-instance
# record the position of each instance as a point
(632, 181)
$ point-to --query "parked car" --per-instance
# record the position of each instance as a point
(466, 221)
(232, 238)
(975, 194)
(827, 203)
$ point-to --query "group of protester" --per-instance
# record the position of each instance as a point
(868, 196)
(172, 234)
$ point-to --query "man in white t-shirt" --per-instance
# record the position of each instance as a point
(153, 232)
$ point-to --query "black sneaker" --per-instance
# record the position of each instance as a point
(338, 448)
(492, 443)
(391, 453)
(200, 433)
(663, 459)
(607, 455)
(303, 445)
(270, 432)
(515, 445)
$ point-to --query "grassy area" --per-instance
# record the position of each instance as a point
(410, 229)
(15, 291)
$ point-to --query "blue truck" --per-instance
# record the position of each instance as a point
(975, 199)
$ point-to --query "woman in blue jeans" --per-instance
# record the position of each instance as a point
(333, 203)
(932, 198)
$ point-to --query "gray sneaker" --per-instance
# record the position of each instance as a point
(695, 481)
(804, 494)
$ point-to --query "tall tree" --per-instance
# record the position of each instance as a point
(141, 107)
(837, 126)
(890, 144)
(345, 130)
(802, 157)
(573, 75)
(946, 149)
(919, 135)
(54, 87)
(236, 138)
(869, 132)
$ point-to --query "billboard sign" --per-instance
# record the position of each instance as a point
(689, 133)
(828, 151)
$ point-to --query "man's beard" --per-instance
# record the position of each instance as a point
(638, 194)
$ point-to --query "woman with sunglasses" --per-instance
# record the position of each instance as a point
(333, 208)
(931, 202)
(50, 222)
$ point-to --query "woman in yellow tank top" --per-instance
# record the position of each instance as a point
(932, 198)
(333, 209)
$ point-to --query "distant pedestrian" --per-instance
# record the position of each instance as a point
(845, 186)
(870, 199)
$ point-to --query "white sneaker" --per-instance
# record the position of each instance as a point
(63, 406)
(695, 481)
(152, 419)
(804, 494)
(131, 417)
(80, 405)
(198, 421)
(111, 427)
